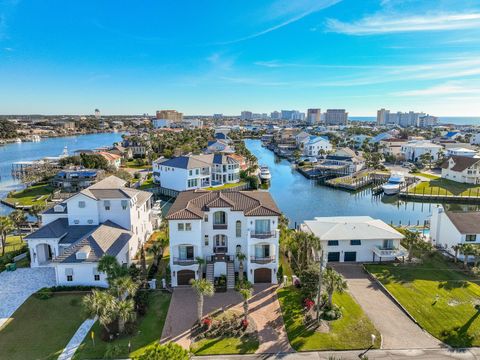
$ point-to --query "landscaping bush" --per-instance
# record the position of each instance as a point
(62, 288)
(114, 351)
(141, 302)
(152, 271)
(44, 294)
(252, 182)
(169, 351)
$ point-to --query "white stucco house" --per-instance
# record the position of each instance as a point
(315, 145)
(105, 218)
(196, 171)
(461, 151)
(450, 228)
(414, 149)
(462, 169)
(355, 238)
(217, 225)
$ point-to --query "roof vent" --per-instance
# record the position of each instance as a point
(58, 208)
(83, 253)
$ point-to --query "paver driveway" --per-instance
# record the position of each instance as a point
(397, 329)
(16, 286)
(264, 309)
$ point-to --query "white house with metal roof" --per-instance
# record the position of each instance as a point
(355, 238)
(196, 171)
(216, 226)
(105, 218)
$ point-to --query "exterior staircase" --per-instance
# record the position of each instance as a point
(209, 274)
(230, 275)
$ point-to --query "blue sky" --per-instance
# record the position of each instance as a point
(201, 57)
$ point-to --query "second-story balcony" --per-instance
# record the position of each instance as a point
(184, 262)
(262, 260)
(389, 252)
(262, 234)
(220, 226)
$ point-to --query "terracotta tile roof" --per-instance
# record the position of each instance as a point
(193, 204)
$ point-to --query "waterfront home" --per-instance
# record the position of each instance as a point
(464, 169)
(113, 160)
(451, 228)
(72, 180)
(137, 146)
(315, 146)
(346, 158)
(392, 147)
(355, 238)
(301, 138)
(216, 226)
(196, 171)
(105, 218)
(219, 146)
(125, 153)
(461, 151)
(414, 149)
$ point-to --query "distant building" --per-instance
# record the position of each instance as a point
(275, 115)
(336, 117)
(314, 116)
(382, 116)
(246, 115)
(427, 121)
(292, 115)
(167, 118)
(97, 114)
(218, 116)
(405, 119)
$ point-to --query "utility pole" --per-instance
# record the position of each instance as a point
(319, 290)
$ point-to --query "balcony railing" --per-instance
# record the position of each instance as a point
(184, 262)
(390, 252)
(220, 226)
(220, 257)
(220, 249)
(262, 235)
(262, 260)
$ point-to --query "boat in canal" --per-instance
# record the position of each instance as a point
(393, 185)
(265, 173)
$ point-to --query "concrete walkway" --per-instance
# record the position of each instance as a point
(16, 286)
(397, 329)
(417, 354)
(76, 340)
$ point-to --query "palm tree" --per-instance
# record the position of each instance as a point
(109, 265)
(241, 258)
(6, 227)
(35, 211)
(123, 287)
(466, 249)
(307, 244)
(246, 295)
(125, 312)
(203, 287)
(456, 248)
(18, 217)
(411, 240)
(103, 305)
(333, 282)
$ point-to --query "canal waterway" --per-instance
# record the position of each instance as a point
(302, 199)
(28, 151)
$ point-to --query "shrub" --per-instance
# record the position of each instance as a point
(280, 273)
(308, 303)
(141, 302)
(44, 294)
(170, 351)
(113, 351)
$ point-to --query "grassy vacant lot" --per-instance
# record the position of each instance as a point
(148, 332)
(439, 297)
(35, 194)
(440, 186)
(40, 329)
(352, 331)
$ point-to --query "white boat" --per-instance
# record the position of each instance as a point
(393, 185)
(265, 173)
(18, 140)
(36, 138)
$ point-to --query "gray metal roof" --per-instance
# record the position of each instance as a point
(60, 229)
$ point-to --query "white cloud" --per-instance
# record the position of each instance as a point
(446, 89)
(396, 23)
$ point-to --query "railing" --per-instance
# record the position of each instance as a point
(262, 260)
(220, 257)
(220, 226)
(390, 252)
(220, 249)
(184, 262)
(262, 235)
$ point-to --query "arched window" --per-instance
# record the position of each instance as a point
(220, 243)
(238, 228)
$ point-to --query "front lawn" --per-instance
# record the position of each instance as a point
(226, 186)
(40, 329)
(148, 332)
(224, 346)
(352, 331)
(428, 175)
(139, 164)
(33, 195)
(441, 186)
(147, 184)
(439, 297)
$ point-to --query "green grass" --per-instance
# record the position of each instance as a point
(284, 263)
(439, 297)
(35, 194)
(40, 329)
(14, 242)
(148, 332)
(225, 346)
(352, 331)
(440, 186)
(147, 184)
(428, 176)
(226, 186)
(132, 164)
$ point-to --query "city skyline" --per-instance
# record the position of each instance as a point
(70, 58)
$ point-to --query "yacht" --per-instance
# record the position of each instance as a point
(265, 173)
(393, 185)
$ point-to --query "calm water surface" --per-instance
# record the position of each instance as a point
(302, 199)
(28, 151)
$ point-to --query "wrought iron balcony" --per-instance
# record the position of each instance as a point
(184, 262)
(262, 260)
(262, 235)
(220, 226)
